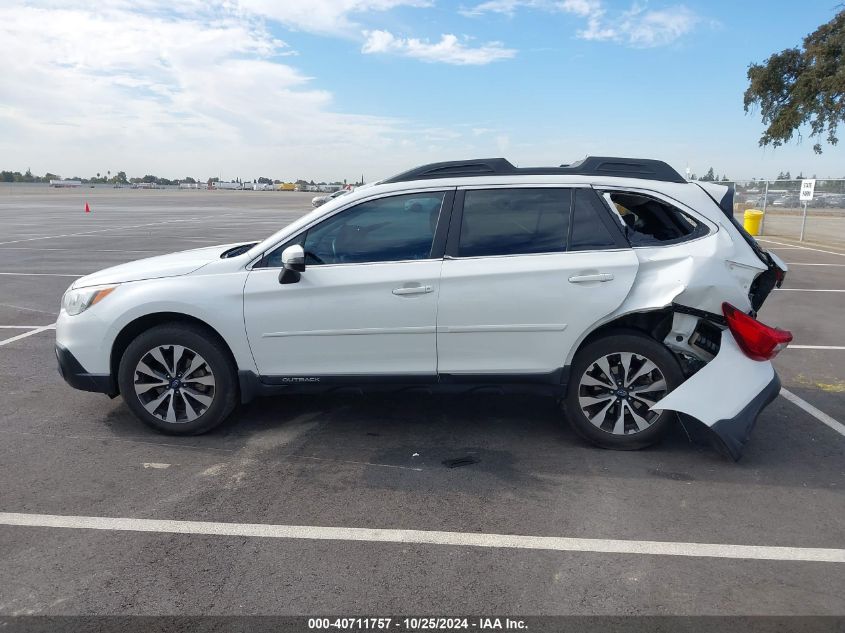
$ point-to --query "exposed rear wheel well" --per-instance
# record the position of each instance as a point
(144, 323)
(654, 323)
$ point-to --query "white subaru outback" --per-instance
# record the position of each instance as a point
(613, 284)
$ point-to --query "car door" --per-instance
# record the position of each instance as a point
(527, 271)
(366, 303)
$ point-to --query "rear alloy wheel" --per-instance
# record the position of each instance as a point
(178, 379)
(614, 383)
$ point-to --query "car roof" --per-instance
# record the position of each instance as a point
(592, 171)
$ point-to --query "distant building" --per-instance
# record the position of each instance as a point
(222, 184)
(65, 183)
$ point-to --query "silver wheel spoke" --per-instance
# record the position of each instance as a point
(153, 404)
(196, 362)
(196, 395)
(625, 358)
(639, 420)
(171, 412)
(598, 418)
(657, 385)
(144, 387)
(619, 425)
(178, 351)
(189, 409)
(602, 364)
(595, 382)
(156, 353)
(588, 401)
(203, 380)
(143, 368)
(646, 368)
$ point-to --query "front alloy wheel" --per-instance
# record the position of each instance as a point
(174, 383)
(178, 378)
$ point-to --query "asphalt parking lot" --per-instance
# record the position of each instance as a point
(377, 462)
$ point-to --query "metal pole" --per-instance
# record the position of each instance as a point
(803, 222)
(765, 202)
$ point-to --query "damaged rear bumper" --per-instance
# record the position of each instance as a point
(731, 434)
(727, 395)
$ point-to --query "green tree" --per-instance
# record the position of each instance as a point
(121, 178)
(709, 176)
(802, 86)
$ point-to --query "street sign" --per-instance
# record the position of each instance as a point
(807, 188)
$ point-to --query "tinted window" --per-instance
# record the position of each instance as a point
(589, 232)
(388, 229)
(648, 221)
(514, 221)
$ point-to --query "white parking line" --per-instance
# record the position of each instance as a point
(25, 334)
(808, 290)
(42, 274)
(808, 264)
(73, 250)
(793, 246)
(82, 233)
(791, 346)
(821, 416)
(19, 327)
(463, 539)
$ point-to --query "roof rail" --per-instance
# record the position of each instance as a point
(644, 168)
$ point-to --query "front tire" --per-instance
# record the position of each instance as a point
(613, 382)
(178, 379)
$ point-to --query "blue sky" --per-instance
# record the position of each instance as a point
(331, 89)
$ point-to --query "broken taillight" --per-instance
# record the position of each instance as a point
(757, 340)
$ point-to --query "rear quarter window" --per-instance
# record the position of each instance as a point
(648, 221)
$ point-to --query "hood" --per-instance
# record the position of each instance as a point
(171, 265)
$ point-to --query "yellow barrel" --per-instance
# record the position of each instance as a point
(752, 220)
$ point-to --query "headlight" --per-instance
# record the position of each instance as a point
(78, 301)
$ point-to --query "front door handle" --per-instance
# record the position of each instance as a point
(580, 279)
(412, 290)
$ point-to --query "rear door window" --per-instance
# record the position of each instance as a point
(514, 221)
(590, 231)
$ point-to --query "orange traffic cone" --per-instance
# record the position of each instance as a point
(87, 208)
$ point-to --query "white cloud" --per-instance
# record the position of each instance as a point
(195, 93)
(643, 28)
(638, 27)
(449, 49)
(509, 7)
(336, 17)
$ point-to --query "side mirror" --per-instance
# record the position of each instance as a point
(293, 264)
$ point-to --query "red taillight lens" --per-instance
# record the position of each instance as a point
(757, 340)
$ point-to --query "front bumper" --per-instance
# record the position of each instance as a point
(75, 375)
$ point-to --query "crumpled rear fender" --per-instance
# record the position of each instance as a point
(726, 395)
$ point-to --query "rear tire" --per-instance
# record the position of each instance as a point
(612, 411)
(178, 379)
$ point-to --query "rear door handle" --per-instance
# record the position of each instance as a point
(580, 279)
(412, 290)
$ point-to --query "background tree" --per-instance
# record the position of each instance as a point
(709, 176)
(801, 86)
